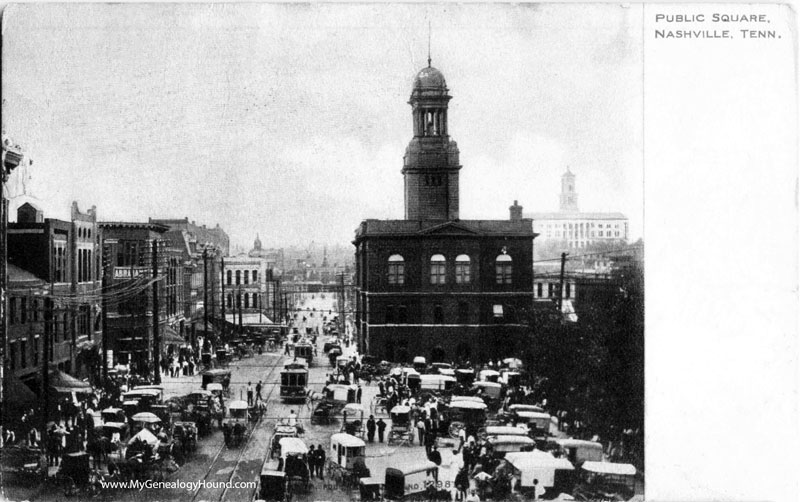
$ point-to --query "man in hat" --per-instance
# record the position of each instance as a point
(371, 429)
(381, 429)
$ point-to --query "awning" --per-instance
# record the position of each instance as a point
(85, 345)
(170, 336)
(62, 382)
(16, 393)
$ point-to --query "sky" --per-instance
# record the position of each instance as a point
(291, 120)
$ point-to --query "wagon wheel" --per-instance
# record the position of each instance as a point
(69, 486)
(455, 428)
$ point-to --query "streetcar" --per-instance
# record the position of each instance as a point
(294, 382)
(304, 350)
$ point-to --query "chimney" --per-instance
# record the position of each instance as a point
(515, 212)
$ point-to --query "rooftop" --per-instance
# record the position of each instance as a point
(572, 215)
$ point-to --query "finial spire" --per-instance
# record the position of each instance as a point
(429, 44)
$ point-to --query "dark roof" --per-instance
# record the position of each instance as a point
(485, 228)
(155, 227)
(576, 216)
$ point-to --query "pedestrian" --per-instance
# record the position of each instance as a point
(381, 429)
(358, 394)
(473, 496)
(258, 391)
(371, 429)
(435, 456)
(321, 462)
(312, 460)
(249, 394)
(380, 387)
(421, 431)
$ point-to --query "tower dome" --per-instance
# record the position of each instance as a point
(430, 78)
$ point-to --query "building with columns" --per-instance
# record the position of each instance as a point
(432, 284)
(569, 228)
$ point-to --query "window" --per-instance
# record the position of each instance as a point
(247, 300)
(23, 310)
(255, 276)
(12, 354)
(550, 289)
(396, 269)
(463, 313)
(437, 269)
(36, 350)
(238, 277)
(503, 269)
(438, 314)
(23, 353)
(568, 289)
(539, 290)
(497, 311)
(12, 309)
(230, 300)
(60, 265)
(246, 277)
(255, 300)
(462, 269)
(230, 277)
(402, 314)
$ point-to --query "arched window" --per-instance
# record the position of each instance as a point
(255, 276)
(396, 269)
(246, 276)
(437, 269)
(238, 277)
(230, 298)
(503, 269)
(255, 300)
(247, 300)
(462, 269)
(230, 277)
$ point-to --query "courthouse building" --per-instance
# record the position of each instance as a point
(432, 284)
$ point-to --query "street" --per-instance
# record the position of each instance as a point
(217, 465)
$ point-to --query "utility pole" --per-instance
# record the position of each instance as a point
(104, 319)
(213, 290)
(156, 311)
(205, 290)
(341, 308)
(224, 298)
(561, 282)
(49, 328)
(239, 301)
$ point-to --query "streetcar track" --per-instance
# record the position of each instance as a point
(223, 446)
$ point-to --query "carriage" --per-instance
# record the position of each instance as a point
(419, 364)
(578, 450)
(513, 443)
(345, 462)
(75, 475)
(553, 475)
(369, 489)
(465, 377)
(113, 415)
(272, 485)
(281, 432)
(504, 430)
(216, 376)
(353, 419)
(234, 426)
(294, 382)
(491, 392)
(402, 428)
(489, 376)
(605, 481)
(142, 460)
(441, 384)
(198, 410)
(184, 438)
(464, 413)
(294, 463)
(411, 483)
